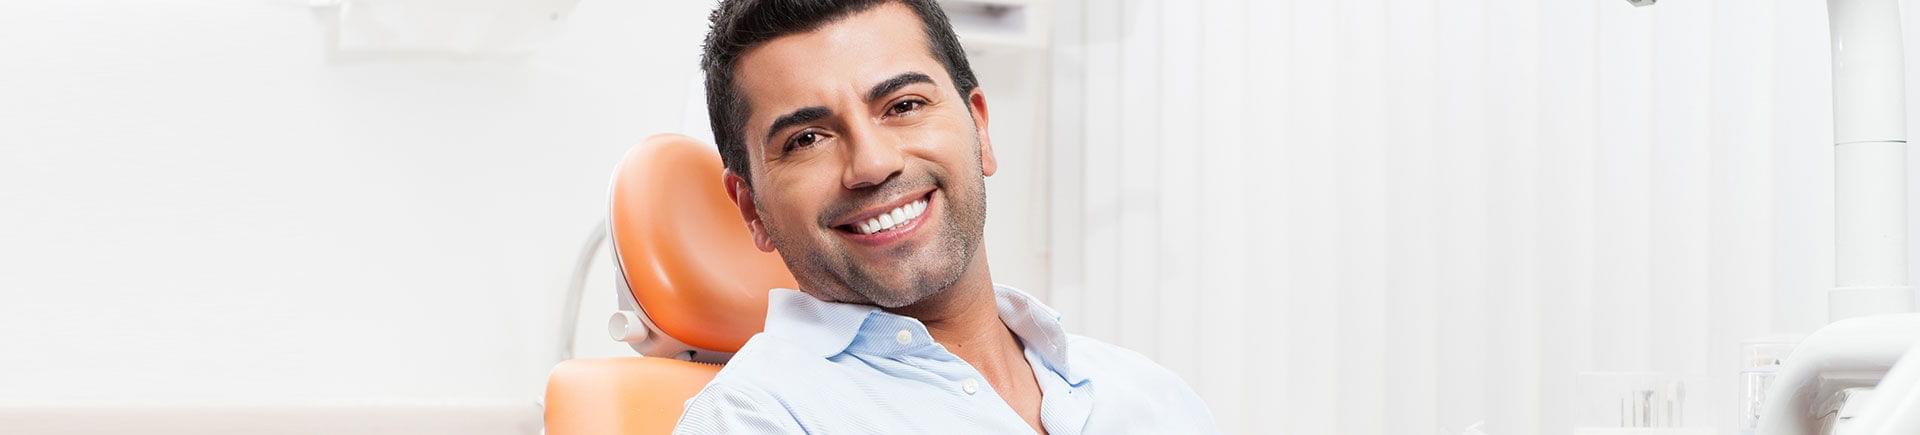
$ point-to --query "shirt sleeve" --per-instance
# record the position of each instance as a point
(722, 409)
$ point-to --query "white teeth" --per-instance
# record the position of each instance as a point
(896, 217)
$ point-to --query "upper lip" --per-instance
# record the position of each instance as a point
(876, 210)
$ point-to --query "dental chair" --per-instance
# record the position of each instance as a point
(692, 289)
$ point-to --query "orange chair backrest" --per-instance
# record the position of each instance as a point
(682, 248)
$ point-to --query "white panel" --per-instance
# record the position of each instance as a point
(1742, 183)
(1568, 131)
(1513, 189)
(1177, 256)
(1100, 220)
(1911, 22)
(1622, 185)
(1410, 262)
(1802, 130)
(1225, 341)
(1270, 88)
(1139, 172)
(1359, 193)
(1312, 223)
(1066, 205)
(1443, 212)
(1461, 137)
(1681, 187)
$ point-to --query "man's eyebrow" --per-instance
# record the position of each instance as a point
(895, 83)
(802, 116)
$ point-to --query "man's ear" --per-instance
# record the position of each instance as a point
(977, 103)
(742, 196)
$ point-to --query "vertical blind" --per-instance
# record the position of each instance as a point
(1410, 216)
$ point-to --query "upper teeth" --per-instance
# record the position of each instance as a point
(897, 217)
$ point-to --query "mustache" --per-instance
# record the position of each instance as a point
(856, 200)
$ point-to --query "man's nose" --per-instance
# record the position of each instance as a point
(872, 159)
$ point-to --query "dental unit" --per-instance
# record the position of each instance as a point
(1860, 374)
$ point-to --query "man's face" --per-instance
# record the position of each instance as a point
(868, 167)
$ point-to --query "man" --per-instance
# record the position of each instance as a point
(855, 141)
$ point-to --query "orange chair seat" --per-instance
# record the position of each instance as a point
(621, 395)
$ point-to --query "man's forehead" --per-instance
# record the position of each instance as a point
(838, 60)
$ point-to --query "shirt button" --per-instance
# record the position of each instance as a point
(970, 386)
(903, 337)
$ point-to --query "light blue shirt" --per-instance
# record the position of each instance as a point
(834, 368)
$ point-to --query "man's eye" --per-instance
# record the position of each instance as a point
(803, 140)
(905, 107)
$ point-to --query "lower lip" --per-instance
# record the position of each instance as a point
(897, 233)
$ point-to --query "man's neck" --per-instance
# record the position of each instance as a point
(965, 318)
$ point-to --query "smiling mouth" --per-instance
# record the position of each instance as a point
(891, 220)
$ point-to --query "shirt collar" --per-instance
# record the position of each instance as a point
(831, 328)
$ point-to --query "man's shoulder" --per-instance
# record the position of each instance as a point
(1129, 383)
(1113, 367)
(740, 397)
(763, 362)
(1101, 356)
(748, 389)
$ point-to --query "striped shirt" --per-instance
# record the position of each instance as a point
(834, 368)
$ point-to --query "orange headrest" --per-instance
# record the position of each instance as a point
(683, 254)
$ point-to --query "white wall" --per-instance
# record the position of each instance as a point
(200, 207)
(1408, 216)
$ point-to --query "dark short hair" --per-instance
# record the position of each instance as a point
(739, 25)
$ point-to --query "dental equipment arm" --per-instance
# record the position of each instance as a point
(1870, 241)
(576, 286)
(1870, 177)
(1895, 408)
(1853, 348)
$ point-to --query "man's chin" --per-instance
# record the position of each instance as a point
(896, 292)
(896, 297)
